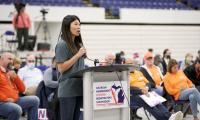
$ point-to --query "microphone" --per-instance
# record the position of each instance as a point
(85, 56)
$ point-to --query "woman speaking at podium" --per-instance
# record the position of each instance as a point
(70, 54)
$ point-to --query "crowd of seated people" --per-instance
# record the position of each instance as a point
(156, 78)
(141, 86)
(184, 85)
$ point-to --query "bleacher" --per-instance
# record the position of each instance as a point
(75, 3)
(113, 6)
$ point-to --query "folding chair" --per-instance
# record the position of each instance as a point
(133, 106)
(175, 103)
(11, 40)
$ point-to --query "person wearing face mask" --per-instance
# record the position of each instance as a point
(158, 61)
(187, 62)
(30, 75)
(165, 60)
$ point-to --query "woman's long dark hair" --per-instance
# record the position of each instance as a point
(66, 35)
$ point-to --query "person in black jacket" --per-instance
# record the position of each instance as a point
(193, 73)
(165, 60)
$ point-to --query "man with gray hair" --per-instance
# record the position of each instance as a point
(31, 75)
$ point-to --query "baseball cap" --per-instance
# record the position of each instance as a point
(148, 55)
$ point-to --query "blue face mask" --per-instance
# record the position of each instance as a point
(31, 65)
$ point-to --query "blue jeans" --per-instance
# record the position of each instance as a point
(160, 112)
(13, 111)
(158, 90)
(193, 95)
(70, 107)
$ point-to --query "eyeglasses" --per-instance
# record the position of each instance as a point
(31, 61)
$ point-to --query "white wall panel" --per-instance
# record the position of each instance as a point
(103, 39)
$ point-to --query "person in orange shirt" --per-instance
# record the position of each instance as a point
(22, 23)
(11, 104)
(140, 85)
(180, 87)
(152, 73)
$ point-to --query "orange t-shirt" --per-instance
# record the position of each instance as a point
(175, 82)
(137, 79)
(23, 21)
(155, 74)
(10, 88)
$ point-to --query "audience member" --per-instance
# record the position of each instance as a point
(119, 58)
(198, 56)
(11, 85)
(180, 87)
(30, 75)
(136, 58)
(158, 61)
(109, 60)
(16, 64)
(152, 73)
(140, 86)
(187, 61)
(165, 60)
(193, 73)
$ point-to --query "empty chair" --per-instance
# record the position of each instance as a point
(11, 40)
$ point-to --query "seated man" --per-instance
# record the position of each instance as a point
(109, 60)
(152, 73)
(11, 85)
(193, 73)
(30, 75)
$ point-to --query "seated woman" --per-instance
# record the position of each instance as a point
(180, 87)
(139, 85)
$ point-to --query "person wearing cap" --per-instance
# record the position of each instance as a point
(152, 73)
(22, 23)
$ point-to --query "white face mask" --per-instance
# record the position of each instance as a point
(31, 65)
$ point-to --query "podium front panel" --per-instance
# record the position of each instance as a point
(106, 96)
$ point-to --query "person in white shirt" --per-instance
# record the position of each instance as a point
(30, 75)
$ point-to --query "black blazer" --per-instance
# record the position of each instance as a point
(164, 66)
(190, 72)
